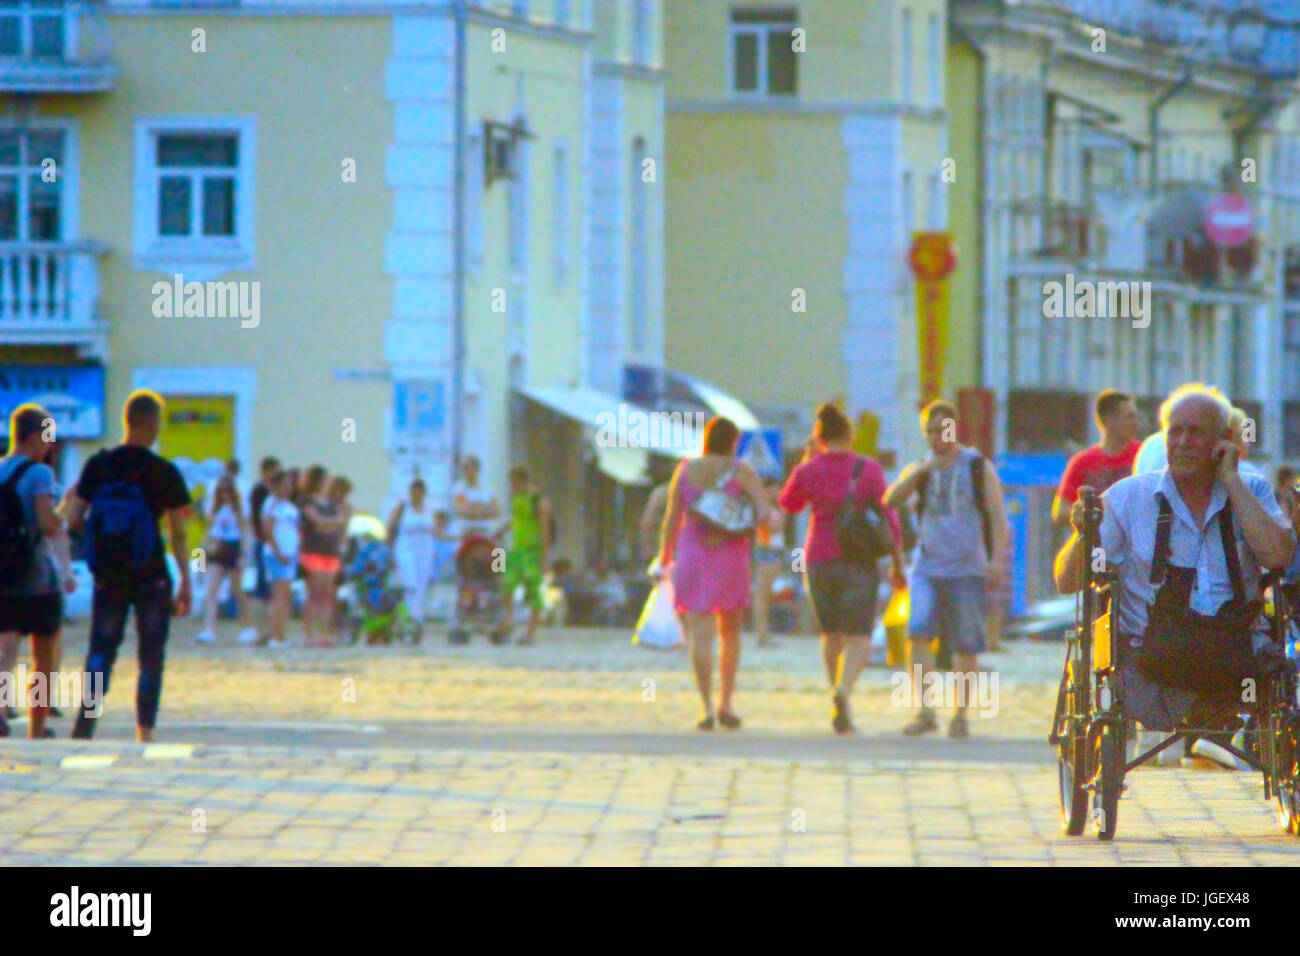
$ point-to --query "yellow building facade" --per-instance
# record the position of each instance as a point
(805, 148)
(261, 212)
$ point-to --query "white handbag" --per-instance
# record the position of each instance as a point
(723, 512)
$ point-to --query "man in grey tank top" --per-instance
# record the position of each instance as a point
(952, 564)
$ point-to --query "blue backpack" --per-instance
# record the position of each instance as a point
(121, 532)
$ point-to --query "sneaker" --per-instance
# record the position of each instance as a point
(958, 727)
(247, 636)
(205, 636)
(1209, 750)
(922, 725)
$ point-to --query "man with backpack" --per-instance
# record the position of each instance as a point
(31, 601)
(963, 538)
(532, 535)
(121, 496)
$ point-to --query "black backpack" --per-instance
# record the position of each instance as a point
(977, 485)
(121, 530)
(862, 531)
(17, 538)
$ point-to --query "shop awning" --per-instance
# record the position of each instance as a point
(627, 466)
(675, 391)
(721, 403)
(622, 435)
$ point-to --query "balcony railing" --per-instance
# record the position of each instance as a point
(54, 46)
(49, 293)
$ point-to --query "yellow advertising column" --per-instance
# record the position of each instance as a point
(932, 258)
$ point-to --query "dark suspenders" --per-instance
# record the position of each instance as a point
(1163, 551)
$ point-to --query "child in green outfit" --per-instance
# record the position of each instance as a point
(531, 530)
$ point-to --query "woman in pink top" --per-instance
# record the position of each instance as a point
(710, 570)
(843, 592)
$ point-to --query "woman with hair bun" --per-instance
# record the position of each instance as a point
(710, 569)
(843, 592)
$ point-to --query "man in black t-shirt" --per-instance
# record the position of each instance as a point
(141, 582)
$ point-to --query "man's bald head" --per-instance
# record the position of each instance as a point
(1200, 396)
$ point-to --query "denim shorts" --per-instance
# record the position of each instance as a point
(843, 596)
(951, 609)
(277, 570)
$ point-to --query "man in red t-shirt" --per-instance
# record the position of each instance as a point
(1103, 464)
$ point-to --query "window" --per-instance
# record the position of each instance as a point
(195, 189)
(32, 28)
(1291, 356)
(474, 160)
(909, 222)
(641, 31)
(196, 184)
(518, 204)
(640, 306)
(935, 54)
(31, 208)
(906, 47)
(934, 211)
(521, 8)
(763, 61)
(562, 13)
(560, 223)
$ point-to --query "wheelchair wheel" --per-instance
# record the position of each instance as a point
(1072, 770)
(1108, 782)
(1286, 778)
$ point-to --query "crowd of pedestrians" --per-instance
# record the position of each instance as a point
(717, 528)
(962, 546)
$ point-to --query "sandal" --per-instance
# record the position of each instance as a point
(840, 715)
(728, 719)
(706, 723)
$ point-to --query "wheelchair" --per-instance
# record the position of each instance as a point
(1090, 729)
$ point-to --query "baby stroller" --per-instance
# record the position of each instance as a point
(478, 592)
(374, 605)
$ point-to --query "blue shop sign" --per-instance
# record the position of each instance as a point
(72, 394)
(1030, 470)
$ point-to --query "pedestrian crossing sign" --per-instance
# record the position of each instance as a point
(762, 449)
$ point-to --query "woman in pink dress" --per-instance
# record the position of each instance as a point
(710, 569)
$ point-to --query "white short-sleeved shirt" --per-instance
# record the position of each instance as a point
(1152, 456)
(286, 518)
(477, 495)
(1128, 537)
(225, 524)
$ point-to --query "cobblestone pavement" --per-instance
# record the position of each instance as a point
(556, 754)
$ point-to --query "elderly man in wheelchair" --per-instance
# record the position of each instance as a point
(1180, 555)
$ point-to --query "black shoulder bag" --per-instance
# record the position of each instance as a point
(1190, 651)
(862, 531)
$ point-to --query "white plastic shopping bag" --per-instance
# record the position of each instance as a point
(659, 626)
